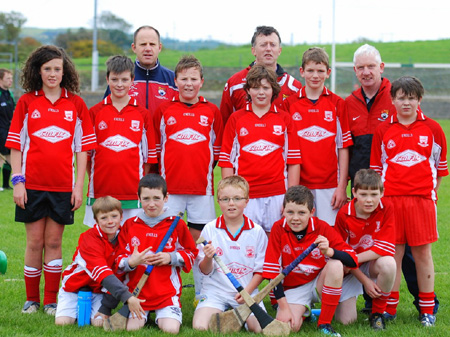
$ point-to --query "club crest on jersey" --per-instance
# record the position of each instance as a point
(188, 136)
(237, 269)
(219, 251)
(351, 234)
(328, 116)
(261, 148)
(162, 91)
(384, 115)
(316, 254)
(118, 143)
(390, 144)
(408, 158)
(169, 244)
(243, 132)
(287, 249)
(366, 241)
(135, 126)
(68, 116)
(171, 120)
(423, 141)
(250, 251)
(135, 241)
(35, 114)
(52, 134)
(203, 120)
(315, 133)
(102, 125)
(277, 130)
(297, 117)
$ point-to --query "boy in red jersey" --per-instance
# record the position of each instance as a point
(367, 224)
(188, 138)
(321, 272)
(409, 151)
(144, 232)
(92, 266)
(260, 144)
(323, 134)
(125, 135)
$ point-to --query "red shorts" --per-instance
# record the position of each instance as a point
(415, 220)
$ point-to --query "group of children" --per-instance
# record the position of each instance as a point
(284, 173)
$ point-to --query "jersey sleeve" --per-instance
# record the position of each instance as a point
(272, 266)
(226, 106)
(340, 224)
(148, 139)
(84, 136)
(187, 247)
(229, 135)
(384, 238)
(336, 242)
(157, 116)
(376, 151)
(294, 154)
(441, 151)
(343, 125)
(218, 132)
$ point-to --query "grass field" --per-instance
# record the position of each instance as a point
(12, 288)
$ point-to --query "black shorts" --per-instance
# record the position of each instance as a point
(196, 226)
(41, 204)
(4, 150)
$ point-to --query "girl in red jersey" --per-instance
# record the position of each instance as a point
(49, 125)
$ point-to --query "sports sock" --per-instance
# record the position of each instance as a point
(330, 301)
(32, 279)
(426, 302)
(379, 304)
(52, 275)
(392, 302)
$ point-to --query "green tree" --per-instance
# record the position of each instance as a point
(11, 24)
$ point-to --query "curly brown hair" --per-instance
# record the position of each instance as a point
(31, 78)
(256, 74)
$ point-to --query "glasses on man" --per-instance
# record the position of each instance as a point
(235, 199)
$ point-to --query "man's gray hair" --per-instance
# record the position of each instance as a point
(367, 49)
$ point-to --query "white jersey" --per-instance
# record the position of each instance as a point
(243, 255)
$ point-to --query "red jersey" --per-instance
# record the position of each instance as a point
(377, 233)
(188, 139)
(259, 148)
(164, 282)
(410, 158)
(48, 134)
(363, 122)
(234, 96)
(284, 247)
(92, 262)
(125, 143)
(322, 129)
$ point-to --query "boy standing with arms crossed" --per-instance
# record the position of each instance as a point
(323, 134)
(367, 224)
(321, 272)
(125, 135)
(409, 152)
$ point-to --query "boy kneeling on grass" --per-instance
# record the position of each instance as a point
(320, 273)
(367, 224)
(92, 266)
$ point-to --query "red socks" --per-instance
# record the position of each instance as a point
(330, 301)
(392, 302)
(379, 304)
(52, 275)
(426, 302)
(32, 279)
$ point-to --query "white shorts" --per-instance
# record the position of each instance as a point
(172, 311)
(265, 211)
(200, 208)
(68, 304)
(90, 221)
(351, 287)
(221, 300)
(322, 201)
(305, 295)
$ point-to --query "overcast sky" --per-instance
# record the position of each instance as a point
(234, 21)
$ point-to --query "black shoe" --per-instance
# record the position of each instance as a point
(377, 321)
(366, 310)
(7, 188)
(327, 329)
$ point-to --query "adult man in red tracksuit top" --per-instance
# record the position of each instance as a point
(266, 47)
(367, 107)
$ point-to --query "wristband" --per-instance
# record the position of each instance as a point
(17, 178)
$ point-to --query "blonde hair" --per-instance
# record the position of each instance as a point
(236, 182)
(105, 205)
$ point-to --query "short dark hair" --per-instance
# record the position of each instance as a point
(153, 181)
(186, 62)
(317, 55)
(368, 179)
(146, 27)
(266, 31)
(4, 71)
(105, 205)
(256, 74)
(300, 195)
(410, 85)
(118, 64)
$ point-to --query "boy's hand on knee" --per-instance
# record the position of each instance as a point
(134, 304)
(372, 289)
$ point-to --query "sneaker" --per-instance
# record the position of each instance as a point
(377, 321)
(1, 189)
(50, 309)
(30, 307)
(328, 330)
(388, 317)
(427, 320)
(366, 310)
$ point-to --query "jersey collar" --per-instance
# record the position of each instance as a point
(302, 92)
(108, 101)
(248, 224)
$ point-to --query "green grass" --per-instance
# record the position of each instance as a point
(12, 288)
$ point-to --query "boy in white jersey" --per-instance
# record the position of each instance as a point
(241, 244)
